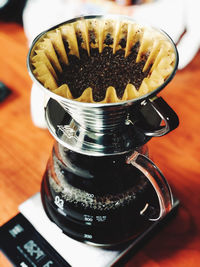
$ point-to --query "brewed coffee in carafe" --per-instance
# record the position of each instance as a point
(103, 200)
(100, 185)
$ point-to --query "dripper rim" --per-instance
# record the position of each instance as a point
(99, 105)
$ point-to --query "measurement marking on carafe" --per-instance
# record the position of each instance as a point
(87, 236)
(88, 218)
(101, 218)
(61, 212)
(59, 202)
(67, 130)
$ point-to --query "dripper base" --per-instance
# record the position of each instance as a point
(86, 141)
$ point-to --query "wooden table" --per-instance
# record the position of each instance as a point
(25, 150)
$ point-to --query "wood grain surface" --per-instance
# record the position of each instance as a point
(24, 151)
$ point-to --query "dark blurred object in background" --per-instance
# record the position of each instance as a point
(4, 91)
(132, 2)
(11, 10)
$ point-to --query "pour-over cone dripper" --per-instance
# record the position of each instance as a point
(74, 63)
(102, 59)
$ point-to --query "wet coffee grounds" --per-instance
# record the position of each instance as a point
(101, 70)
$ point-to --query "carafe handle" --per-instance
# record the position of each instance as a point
(157, 180)
(167, 115)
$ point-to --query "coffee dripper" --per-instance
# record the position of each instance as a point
(100, 185)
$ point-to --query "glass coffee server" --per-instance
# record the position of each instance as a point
(100, 185)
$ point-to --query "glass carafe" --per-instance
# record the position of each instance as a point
(104, 200)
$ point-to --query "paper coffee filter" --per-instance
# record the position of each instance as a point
(134, 35)
(92, 26)
(50, 54)
(82, 35)
(69, 37)
(42, 68)
(57, 41)
(107, 33)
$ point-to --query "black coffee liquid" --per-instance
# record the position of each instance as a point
(96, 199)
